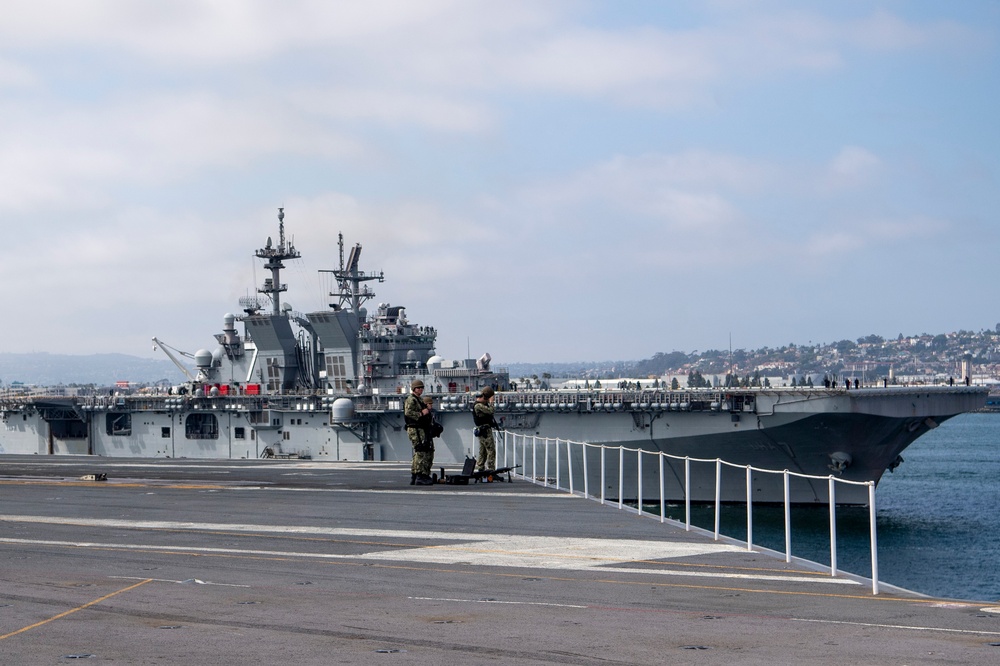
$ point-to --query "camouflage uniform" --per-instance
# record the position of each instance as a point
(427, 424)
(423, 456)
(483, 414)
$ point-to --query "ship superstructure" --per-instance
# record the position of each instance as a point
(330, 385)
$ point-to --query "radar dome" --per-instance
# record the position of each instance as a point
(435, 359)
(203, 358)
(342, 410)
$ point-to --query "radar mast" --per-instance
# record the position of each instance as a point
(350, 290)
(274, 256)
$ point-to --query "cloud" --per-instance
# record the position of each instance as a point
(832, 244)
(682, 190)
(394, 108)
(884, 31)
(15, 75)
(468, 46)
(176, 90)
(852, 167)
(74, 158)
(853, 237)
(599, 62)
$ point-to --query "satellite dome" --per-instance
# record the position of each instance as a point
(342, 410)
(203, 358)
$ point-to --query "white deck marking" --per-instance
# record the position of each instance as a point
(497, 601)
(471, 549)
(899, 626)
(179, 582)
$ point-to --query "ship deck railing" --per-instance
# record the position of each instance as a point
(721, 400)
(538, 457)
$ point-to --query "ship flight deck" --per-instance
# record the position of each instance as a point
(291, 561)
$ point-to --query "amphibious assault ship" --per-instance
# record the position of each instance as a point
(330, 386)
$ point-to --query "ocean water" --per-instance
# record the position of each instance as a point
(938, 517)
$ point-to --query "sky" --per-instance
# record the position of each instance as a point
(540, 180)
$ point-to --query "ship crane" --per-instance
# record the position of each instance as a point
(158, 344)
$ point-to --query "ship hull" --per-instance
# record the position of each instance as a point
(853, 435)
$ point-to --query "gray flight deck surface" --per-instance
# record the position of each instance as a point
(295, 562)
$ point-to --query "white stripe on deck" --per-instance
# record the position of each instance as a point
(481, 550)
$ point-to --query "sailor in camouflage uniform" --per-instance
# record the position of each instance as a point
(482, 415)
(414, 413)
(432, 429)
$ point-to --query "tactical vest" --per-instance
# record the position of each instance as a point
(409, 421)
(481, 419)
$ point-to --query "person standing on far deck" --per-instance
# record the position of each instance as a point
(482, 415)
(414, 410)
(431, 428)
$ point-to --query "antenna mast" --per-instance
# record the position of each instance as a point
(274, 256)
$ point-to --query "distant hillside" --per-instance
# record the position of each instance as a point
(926, 355)
(101, 369)
(578, 369)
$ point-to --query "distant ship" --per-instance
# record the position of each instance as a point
(330, 386)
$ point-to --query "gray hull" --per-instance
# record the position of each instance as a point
(804, 431)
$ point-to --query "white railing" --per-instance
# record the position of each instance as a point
(523, 451)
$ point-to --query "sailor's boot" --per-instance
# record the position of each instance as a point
(413, 479)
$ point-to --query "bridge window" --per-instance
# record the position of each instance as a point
(336, 371)
(273, 375)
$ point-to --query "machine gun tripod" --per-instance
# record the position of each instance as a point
(469, 473)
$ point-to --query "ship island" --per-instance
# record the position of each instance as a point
(330, 386)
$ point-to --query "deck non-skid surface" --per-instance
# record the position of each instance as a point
(295, 562)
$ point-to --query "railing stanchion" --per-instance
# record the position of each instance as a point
(788, 520)
(509, 442)
(546, 466)
(663, 498)
(621, 477)
(558, 485)
(718, 495)
(569, 465)
(749, 508)
(534, 457)
(604, 466)
(586, 476)
(638, 493)
(833, 525)
(687, 493)
(874, 546)
(524, 453)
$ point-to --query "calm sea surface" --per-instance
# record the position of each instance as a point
(938, 517)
